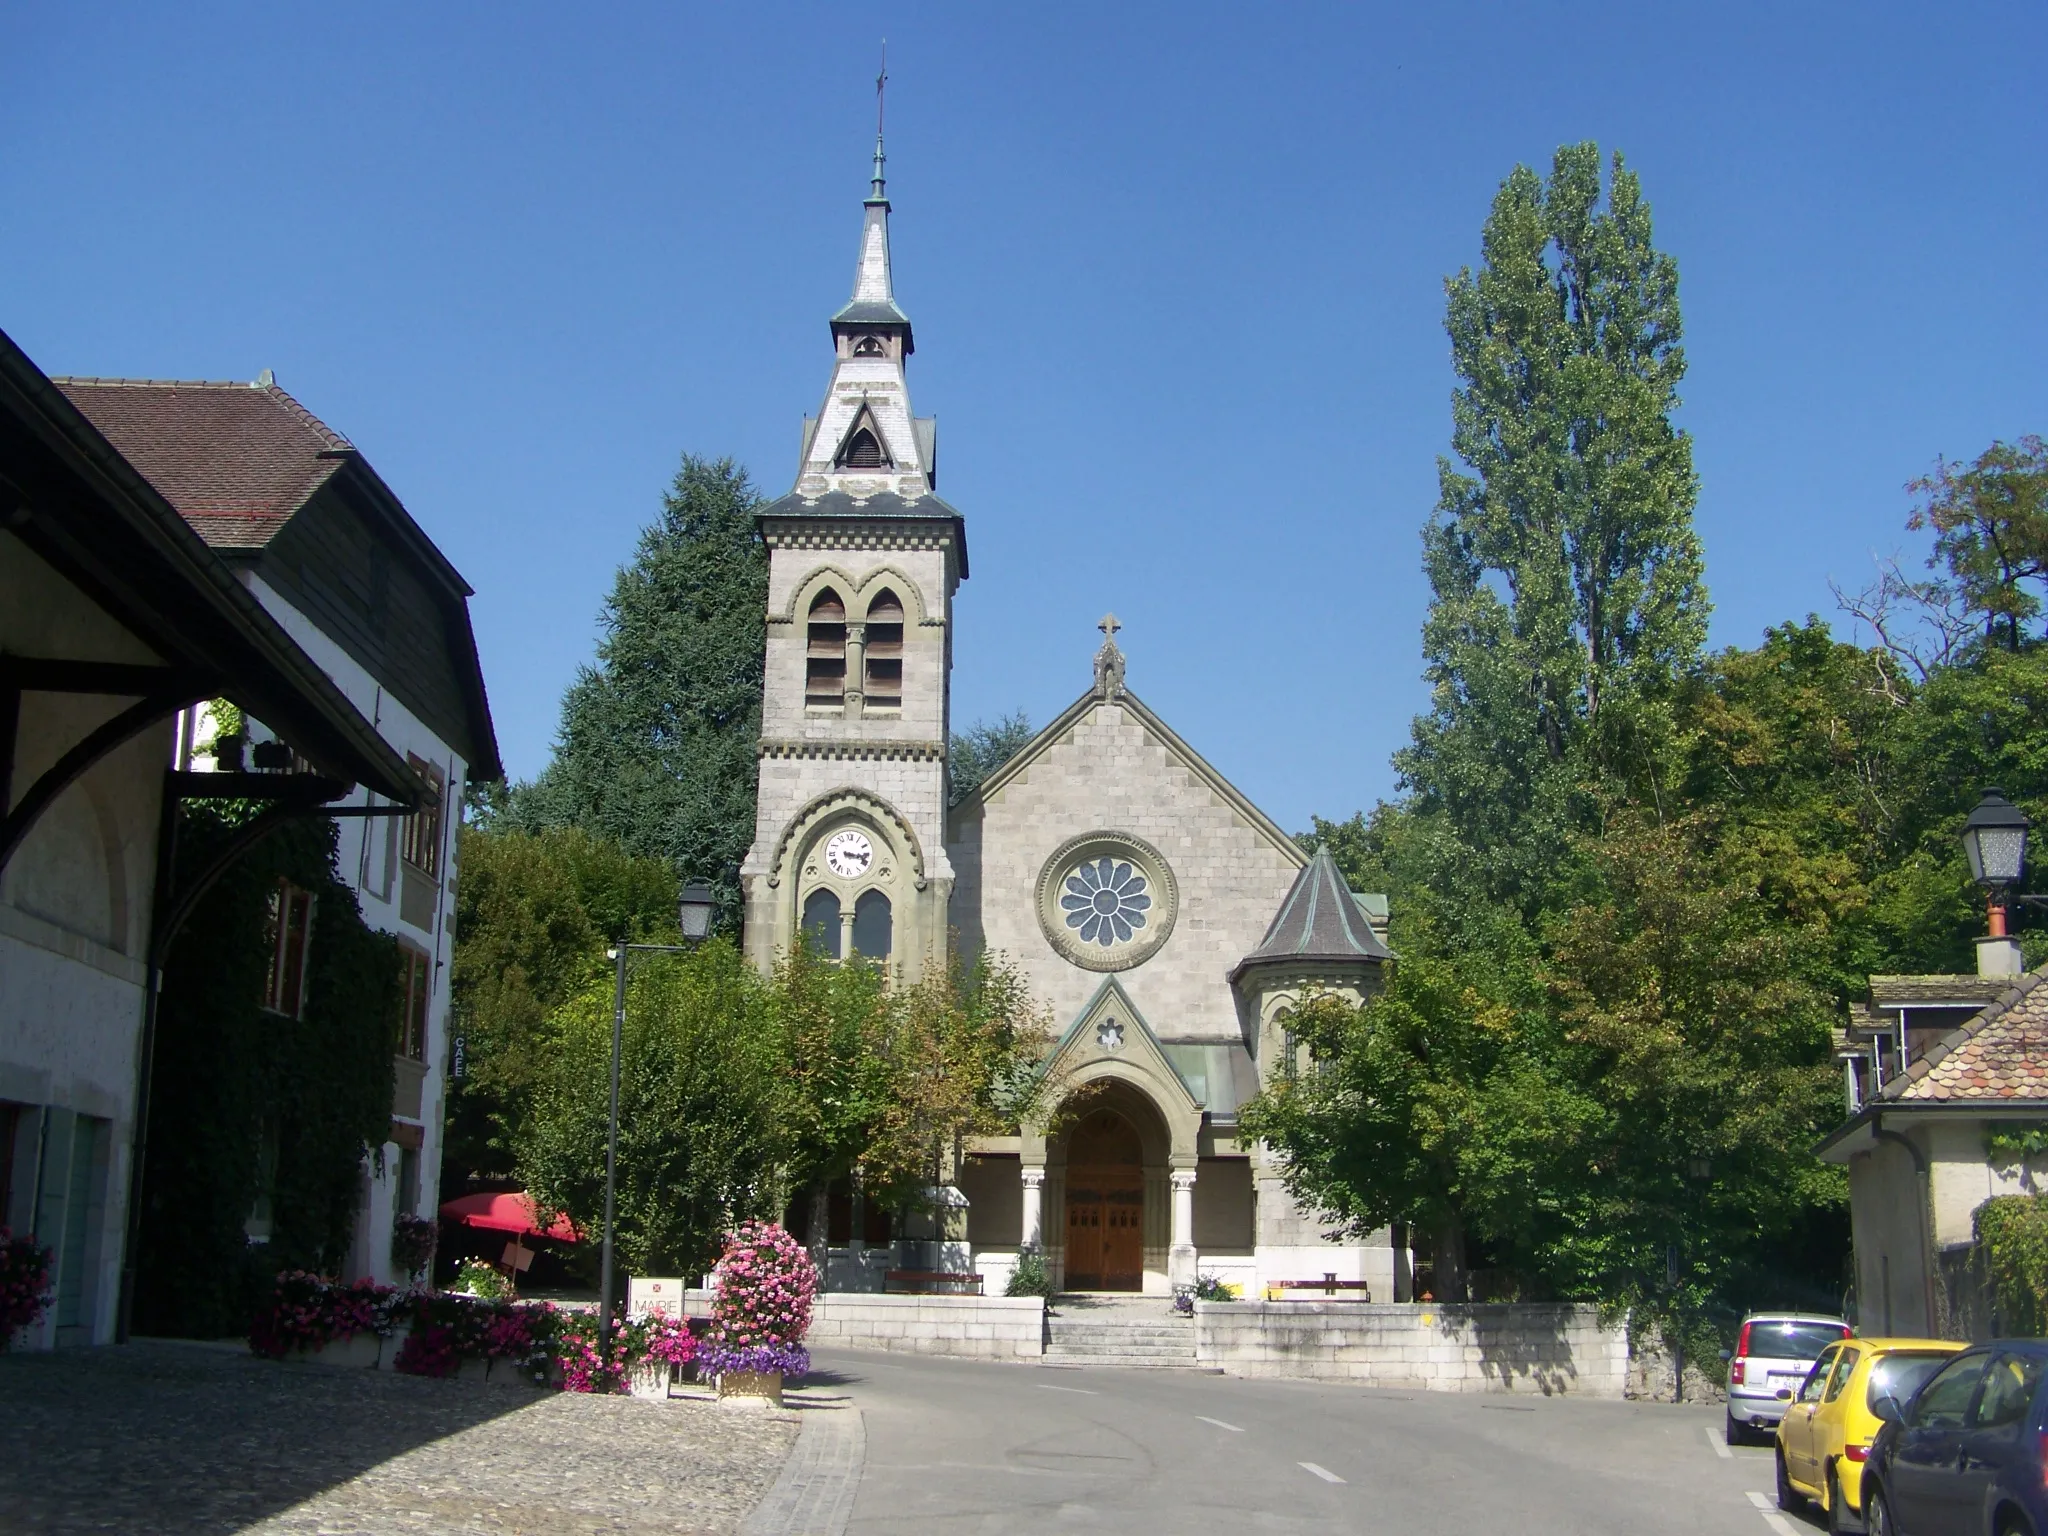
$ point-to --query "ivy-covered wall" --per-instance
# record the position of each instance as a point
(233, 1081)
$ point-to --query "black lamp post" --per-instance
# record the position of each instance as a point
(1995, 839)
(698, 905)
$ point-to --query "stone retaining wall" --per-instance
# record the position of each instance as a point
(1499, 1348)
(977, 1327)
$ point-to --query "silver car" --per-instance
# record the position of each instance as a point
(1772, 1356)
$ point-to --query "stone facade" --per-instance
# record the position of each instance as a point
(1165, 922)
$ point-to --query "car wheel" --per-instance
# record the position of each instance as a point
(1877, 1510)
(1839, 1521)
(1737, 1434)
(1788, 1496)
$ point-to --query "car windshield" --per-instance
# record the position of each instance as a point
(1899, 1377)
(1793, 1341)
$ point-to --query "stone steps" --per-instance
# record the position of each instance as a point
(1144, 1333)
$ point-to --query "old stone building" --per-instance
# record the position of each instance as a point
(1167, 922)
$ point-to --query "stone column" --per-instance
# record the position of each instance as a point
(1181, 1257)
(1033, 1235)
(856, 669)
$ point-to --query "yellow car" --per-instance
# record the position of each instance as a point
(1828, 1425)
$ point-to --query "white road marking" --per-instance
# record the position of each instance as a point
(1720, 1444)
(1323, 1472)
(1046, 1386)
(1768, 1508)
(1219, 1423)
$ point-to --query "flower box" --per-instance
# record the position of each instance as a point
(650, 1378)
(751, 1389)
(357, 1352)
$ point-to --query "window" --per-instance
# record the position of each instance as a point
(885, 651)
(1845, 1367)
(288, 929)
(415, 995)
(1817, 1378)
(872, 926)
(870, 346)
(863, 451)
(422, 840)
(2009, 1391)
(821, 921)
(1898, 1377)
(408, 1181)
(1942, 1402)
(825, 655)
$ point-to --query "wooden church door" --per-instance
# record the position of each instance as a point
(1105, 1206)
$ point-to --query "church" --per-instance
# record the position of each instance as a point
(1167, 922)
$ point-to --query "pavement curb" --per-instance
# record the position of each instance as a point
(813, 1495)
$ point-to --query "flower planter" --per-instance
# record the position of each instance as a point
(512, 1376)
(751, 1389)
(359, 1352)
(650, 1378)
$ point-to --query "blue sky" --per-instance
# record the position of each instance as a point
(1176, 272)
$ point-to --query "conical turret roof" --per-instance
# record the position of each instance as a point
(1320, 922)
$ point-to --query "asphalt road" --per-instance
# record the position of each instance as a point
(959, 1446)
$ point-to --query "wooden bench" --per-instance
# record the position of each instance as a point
(930, 1282)
(1323, 1289)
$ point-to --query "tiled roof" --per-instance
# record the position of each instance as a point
(2000, 1054)
(1319, 921)
(237, 460)
(1925, 991)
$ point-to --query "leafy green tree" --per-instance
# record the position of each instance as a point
(705, 1123)
(534, 913)
(977, 752)
(657, 742)
(1990, 525)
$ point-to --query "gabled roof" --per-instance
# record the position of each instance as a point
(1161, 732)
(1320, 922)
(237, 460)
(2001, 1054)
(86, 510)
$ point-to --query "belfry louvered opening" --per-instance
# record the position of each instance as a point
(825, 655)
(863, 451)
(884, 684)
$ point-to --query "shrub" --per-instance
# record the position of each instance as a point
(24, 1283)
(1210, 1288)
(2013, 1232)
(429, 1350)
(479, 1277)
(1030, 1277)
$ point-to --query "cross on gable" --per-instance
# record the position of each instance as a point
(1109, 626)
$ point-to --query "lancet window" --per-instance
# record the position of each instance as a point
(863, 451)
(873, 926)
(884, 684)
(821, 921)
(825, 656)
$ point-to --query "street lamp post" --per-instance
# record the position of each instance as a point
(693, 918)
(1995, 840)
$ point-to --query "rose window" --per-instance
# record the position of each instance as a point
(1105, 901)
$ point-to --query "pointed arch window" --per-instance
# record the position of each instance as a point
(821, 922)
(873, 926)
(884, 656)
(870, 346)
(825, 654)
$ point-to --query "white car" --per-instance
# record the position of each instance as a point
(1773, 1354)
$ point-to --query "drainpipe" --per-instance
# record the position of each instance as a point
(1924, 1183)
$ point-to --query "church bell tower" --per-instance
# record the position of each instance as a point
(864, 559)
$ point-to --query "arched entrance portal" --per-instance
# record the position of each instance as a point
(1105, 1236)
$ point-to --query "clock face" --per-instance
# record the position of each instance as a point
(849, 854)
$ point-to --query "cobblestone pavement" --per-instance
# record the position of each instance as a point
(177, 1440)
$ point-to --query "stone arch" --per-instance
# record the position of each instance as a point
(858, 593)
(1176, 1121)
(883, 818)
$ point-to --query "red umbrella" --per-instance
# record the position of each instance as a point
(505, 1213)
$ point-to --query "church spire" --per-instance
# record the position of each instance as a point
(864, 441)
